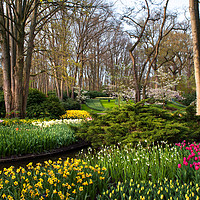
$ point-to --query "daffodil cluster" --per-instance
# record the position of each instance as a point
(69, 179)
(76, 114)
(10, 122)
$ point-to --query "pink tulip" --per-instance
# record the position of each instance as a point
(185, 163)
(179, 165)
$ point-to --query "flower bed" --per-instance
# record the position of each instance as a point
(165, 189)
(26, 138)
(70, 179)
(76, 114)
(57, 121)
(149, 172)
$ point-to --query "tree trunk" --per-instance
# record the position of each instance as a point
(137, 83)
(6, 63)
(194, 15)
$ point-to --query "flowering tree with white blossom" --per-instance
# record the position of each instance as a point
(164, 90)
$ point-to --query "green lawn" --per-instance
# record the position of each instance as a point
(111, 103)
(171, 104)
(86, 108)
(105, 103)
(95, 104)
(108, 105)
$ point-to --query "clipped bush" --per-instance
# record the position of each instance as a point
(132, 124)
(36, 111)
(94, 94)
(35, 97)
(70, 104)
(41, 106)
(53, 97)
(53, 109)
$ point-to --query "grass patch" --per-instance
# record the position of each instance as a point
(108, 104)
(94, 104)
(171, 104)
(90, 110)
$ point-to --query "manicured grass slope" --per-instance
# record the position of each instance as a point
(94, 104)
(90, 110)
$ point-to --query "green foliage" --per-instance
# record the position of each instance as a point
(147, 162)
(133, 123)
(35, 97)
(86, 108)
(2, 105)
(161, 189)
(94, 104)
(94, 94)
(65, 96)
(53, 108)
(70, 104)
(191, 112)
(26, 138)
(188, 98)
(40, 106)
(53, 97)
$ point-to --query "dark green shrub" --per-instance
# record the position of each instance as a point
(35, 97)
(41, 106)
(134, 123)
(53, 97)
(51, 92)
(70, 104)
(191, 112)
(188, 98)
(65, 96)
(2, 105)
(53, 109)
(94, 94)
(36, 111)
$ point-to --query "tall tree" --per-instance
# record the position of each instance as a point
(142, 31)
(195, 23)
(20, 22)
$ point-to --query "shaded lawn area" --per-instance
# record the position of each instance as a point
(86, 108)
(105, 103)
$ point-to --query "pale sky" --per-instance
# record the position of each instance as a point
(174, 5)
